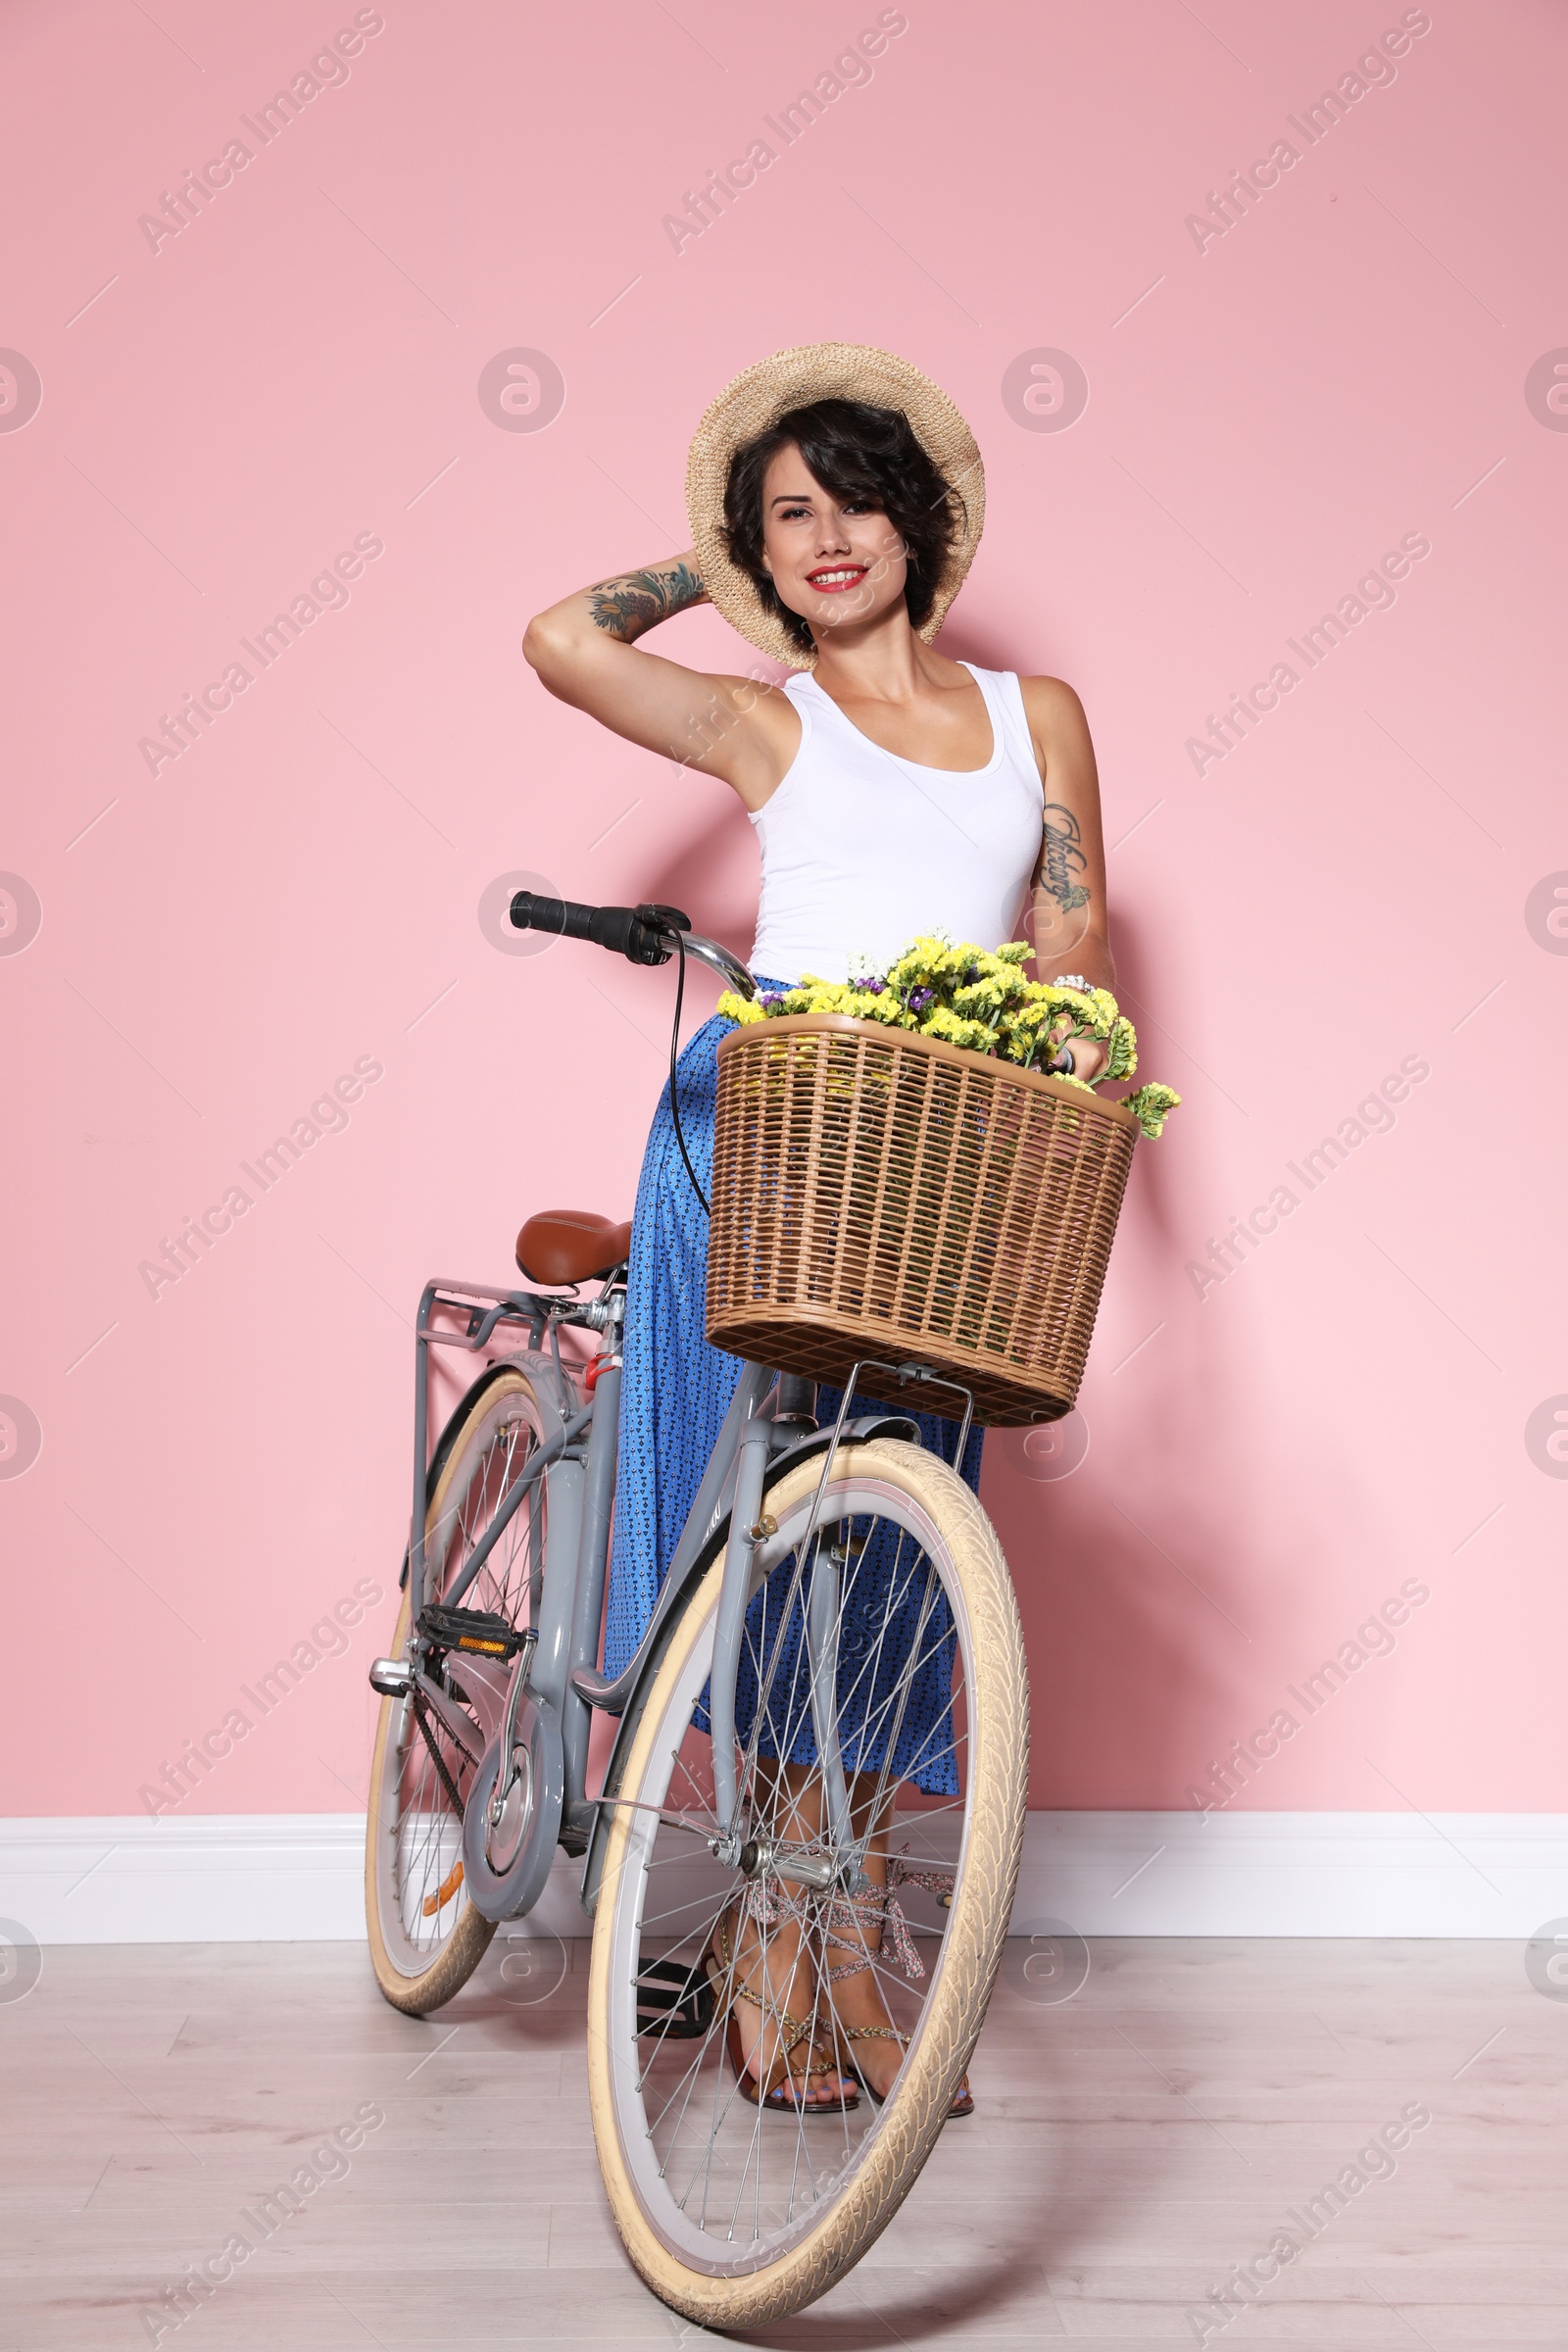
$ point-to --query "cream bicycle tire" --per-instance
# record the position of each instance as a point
(746, 2292)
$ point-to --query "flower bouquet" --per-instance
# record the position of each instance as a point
(981, 1001)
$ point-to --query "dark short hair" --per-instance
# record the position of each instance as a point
(855, 451)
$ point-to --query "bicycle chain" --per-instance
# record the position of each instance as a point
(421, 1717)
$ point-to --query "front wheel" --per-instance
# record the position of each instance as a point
(876, 1888)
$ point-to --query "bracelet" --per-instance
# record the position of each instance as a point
(1071, 980)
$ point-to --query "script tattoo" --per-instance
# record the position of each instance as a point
(636, 601)
(1061, 858)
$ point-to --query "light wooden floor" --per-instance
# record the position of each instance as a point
(1131, 2146)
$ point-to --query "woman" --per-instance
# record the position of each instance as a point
(836, 499)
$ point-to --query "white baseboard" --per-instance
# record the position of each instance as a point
(298, 1877)
(1293, 1874)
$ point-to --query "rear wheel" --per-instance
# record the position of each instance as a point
(426, 1939)
(895, 1908)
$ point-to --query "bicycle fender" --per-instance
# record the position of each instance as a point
(612, 1694)
(555, 1396)
(623, 1697)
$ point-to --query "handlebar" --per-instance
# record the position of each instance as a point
(646, 933)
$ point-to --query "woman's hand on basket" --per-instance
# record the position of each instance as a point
(1082, 1057)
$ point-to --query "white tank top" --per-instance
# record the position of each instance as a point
(862, 850)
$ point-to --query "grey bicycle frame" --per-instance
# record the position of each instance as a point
(576, 1460)
(580, 1477)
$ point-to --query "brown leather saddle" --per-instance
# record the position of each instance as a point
(572, 1245)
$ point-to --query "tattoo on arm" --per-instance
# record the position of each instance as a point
(636, 601)
(1061, 858)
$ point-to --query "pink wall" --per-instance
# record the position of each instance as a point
(1365, 879)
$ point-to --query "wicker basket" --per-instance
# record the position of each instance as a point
(881, 1195)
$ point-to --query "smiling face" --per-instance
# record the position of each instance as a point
(834, 562)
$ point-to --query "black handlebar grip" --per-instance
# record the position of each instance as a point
(560, 915)
(621, 930)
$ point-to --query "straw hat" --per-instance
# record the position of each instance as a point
(792, 379)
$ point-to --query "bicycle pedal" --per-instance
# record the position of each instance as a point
(476, 1633)
(674, 2001)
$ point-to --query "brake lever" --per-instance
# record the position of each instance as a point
(662, 925)
(662, 918)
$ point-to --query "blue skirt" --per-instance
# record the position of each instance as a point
(675, 1391)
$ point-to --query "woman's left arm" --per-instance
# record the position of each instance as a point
(1072, 925)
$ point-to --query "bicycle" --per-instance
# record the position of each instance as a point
(883, 1847)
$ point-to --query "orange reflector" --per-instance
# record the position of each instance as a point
(445, 1892)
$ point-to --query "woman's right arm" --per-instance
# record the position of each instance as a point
(584, 651)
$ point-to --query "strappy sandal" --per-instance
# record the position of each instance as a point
(847, 1919)
(962, 2097)
(775, 2094)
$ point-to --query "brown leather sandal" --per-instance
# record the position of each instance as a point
(775, 2093)
(846, 1928)
(962, 2097)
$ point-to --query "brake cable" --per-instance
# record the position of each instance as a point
(674, 1100)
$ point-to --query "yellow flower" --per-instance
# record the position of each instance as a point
(979, 1000)
(740, 1008)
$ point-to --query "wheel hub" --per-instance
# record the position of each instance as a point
(511, 1812)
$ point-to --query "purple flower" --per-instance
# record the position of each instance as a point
(871, 987)
(772, 997)
(921, 998)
